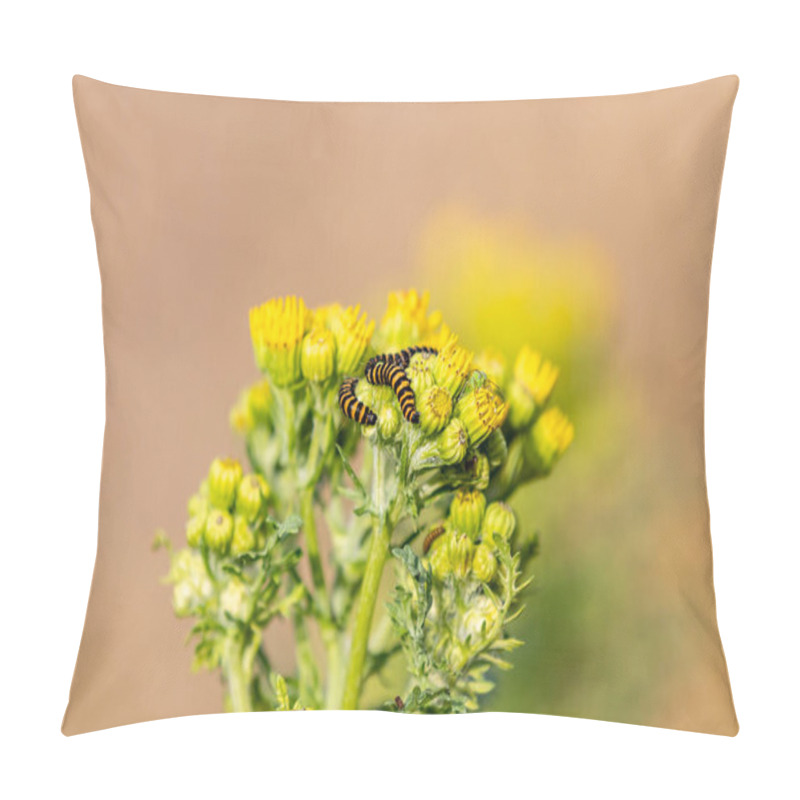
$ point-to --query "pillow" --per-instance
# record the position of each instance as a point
(404, 407)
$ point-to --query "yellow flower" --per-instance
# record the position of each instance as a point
(277, 328)
(223, 481)
(219, 530)
(435, 408)
(548, 439)
(407, 320)
(250, 497)
(452, 366)
(259, 399)
(318, 355)
(482, 411)
(241, 417)
(534, 379)
(352, 332)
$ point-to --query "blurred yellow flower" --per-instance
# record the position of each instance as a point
(407, 320)
(353, 332)
(277, 328)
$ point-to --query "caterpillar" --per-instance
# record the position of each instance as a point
(432, 536)
(401, 359)
(352, 407)
(383, 373)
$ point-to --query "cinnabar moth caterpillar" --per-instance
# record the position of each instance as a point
(352, 407)
(401, 359)
(382, 373)
(432, 536)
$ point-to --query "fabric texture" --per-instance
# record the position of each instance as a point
(573, 235)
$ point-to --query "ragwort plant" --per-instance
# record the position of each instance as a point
(404, 443)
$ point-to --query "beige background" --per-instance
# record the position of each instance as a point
(204, 206)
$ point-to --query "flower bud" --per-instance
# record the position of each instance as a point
(259, 399)
(493, 364)
(498, 523)
(198, 503)
(241, 417)
(452, 366)
(420, 374)
(479, 619)
(277, 328)
(534, 379)
(480, 472)
(466, 511)
(440, 561)
(495, 448)
(484, 563)
(435, 408)
(219, 530)
(461, 550)
(389, 422)
(195, 528)
(192, 586)
(352, 332)
(452, 442)
(482, 411)
(318, 355)
(223, 481)
(550, 436)
(233, 599)
(249, 498)
(244, 540)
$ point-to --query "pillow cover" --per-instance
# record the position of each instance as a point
(409, 398)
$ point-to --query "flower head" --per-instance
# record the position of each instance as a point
(277, 328)
(498, 523)
(534, 379)
(482, 411)
(452, 366)
(548, 439)
(192, 586)
(219, 530)
(223, 481)
(352, 332)
(195, 529)
(407, 320)
(243, 539)
(466, 511)
(484, 563)
(233, 599)
(452, 442)
(318, 355)
(435, 408)
(250, 496)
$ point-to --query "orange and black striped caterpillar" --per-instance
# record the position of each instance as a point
(382, 373)
(401, 359)
(352, 407)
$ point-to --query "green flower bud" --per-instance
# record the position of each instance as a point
(389, 422)
(547, 440)
(259, 400)
(233, 599)
(440, 561)
(318, 355)
(496, 448)
(452, 442)
(435, 408)
(241, 417)
(466, 511)
(484, 563)
(195, 528)
(223, 481)
(419, 372)
(461, 550)
(498, 523)
(198, 504)
(249, 498)
(219, 530)
(482, 411)
(244, 540)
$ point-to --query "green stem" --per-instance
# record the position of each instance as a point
(237, 675)
(312, 548)
(378, 551)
